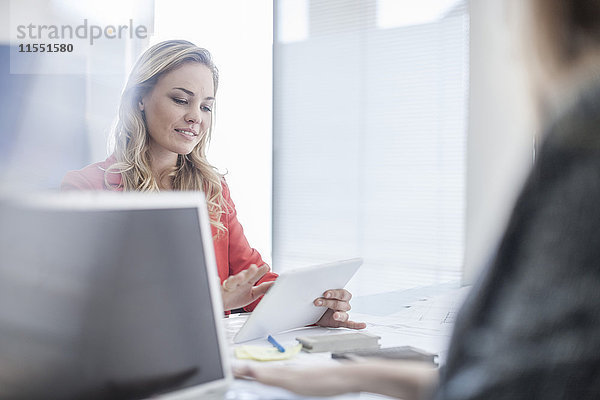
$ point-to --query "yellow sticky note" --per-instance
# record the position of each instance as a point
(264, 353)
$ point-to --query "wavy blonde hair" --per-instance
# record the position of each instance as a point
(192, 171)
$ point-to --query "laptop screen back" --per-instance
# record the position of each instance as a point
(105, 303)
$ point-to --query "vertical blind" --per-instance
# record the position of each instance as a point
(369, 141)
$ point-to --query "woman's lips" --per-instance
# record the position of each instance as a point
(187, 133)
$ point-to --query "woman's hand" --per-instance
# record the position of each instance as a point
(409, 380)
(239, 290)
(313, 381)
(338, 303)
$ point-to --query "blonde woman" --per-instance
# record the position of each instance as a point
(162, 133)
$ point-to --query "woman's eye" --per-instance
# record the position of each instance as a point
(179, 101)
(206, 109)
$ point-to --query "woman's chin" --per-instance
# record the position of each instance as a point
(185, 149)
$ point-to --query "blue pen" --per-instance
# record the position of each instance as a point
(274, 343)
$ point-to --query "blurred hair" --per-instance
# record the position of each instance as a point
(566, 32)
(192, 171)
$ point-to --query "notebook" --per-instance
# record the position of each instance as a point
(106, 295)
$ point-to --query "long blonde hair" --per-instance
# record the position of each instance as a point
(192, 171)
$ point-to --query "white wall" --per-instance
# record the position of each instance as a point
(501, 128)
(239, 34)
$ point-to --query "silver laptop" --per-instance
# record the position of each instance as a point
(109, 296)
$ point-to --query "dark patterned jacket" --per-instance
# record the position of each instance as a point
(530, 328)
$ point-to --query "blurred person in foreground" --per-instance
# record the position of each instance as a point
(530, 328)
(165, 122)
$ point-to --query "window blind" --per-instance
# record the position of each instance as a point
(369, 141)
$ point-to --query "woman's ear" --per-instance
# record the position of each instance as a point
(141, 105)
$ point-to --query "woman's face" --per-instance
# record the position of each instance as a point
(178, 110)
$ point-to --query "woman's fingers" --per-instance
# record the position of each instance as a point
(260, 290)
(259, 273)
(337, 302)
(336, 299)
(339, 319)
(266, 375)
(341, 316)
(238, 290)
(243, 371)
(342, 320)
(354, 325)
(339, 294)
(333, 304)
(231, 283)
(249, 276)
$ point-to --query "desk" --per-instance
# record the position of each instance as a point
(421, 317)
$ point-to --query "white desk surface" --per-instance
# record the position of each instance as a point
(421, 317)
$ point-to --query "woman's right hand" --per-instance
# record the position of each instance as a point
(238, 290)
(396, 378)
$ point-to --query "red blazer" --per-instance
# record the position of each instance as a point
(232, 250)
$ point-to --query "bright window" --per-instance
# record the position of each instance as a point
(369, 142)
(239, 34)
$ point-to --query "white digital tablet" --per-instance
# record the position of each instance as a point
(289, 302)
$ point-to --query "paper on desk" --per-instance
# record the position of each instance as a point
(424, 323)
(264, 353)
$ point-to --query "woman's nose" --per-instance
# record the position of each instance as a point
(193, 118)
